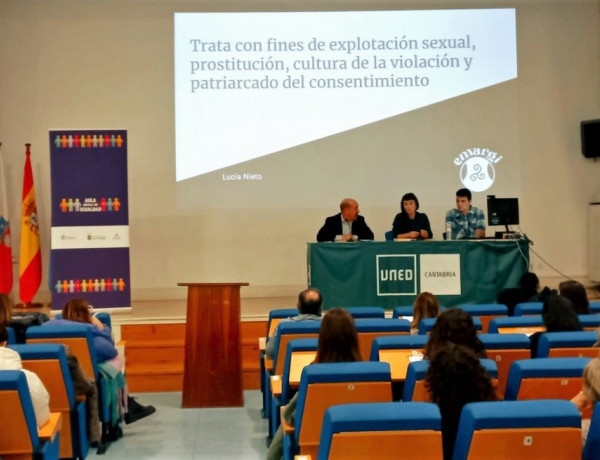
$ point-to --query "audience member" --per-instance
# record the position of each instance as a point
(589, 394)
(78, 311)
(456, 377)
(575, 292)
(559, 315)
(347, 225)
(454, 326)
(11, 360)
(338, 342)
(426, 306)
(309, 306)
(465, 220)
(527, 291)
(409, 223)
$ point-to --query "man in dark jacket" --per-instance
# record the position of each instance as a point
(346, 225)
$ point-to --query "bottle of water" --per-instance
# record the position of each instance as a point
(448, 230)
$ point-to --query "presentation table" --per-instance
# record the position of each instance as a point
(393, 273)
(212, 373)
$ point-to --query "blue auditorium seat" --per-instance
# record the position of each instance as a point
(528, 308)
(381, 431)
(49, 362)
(326, 385)
(518, 430)
(565, 344)
(366, 312)
(20, 435)
(545, 378)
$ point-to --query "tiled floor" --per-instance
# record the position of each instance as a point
(174, 433)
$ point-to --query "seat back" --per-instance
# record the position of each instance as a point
(366, 312)
(517, 324)
(277, 315)
(545, 378)
(595, 306)
(426, 325)
(381, 430)
(326, 385)
(289, 331)
(49, 362)
(528, 308)
(299, 354)
(414, 385)
(12, 338)
(504, 349)
(404, 310)
(589, 322)
(486, 312)
(77, 336)
(19, 429)
(369, 329)
(398, 351)
(518, 430)
(568, 344)
(389, 235)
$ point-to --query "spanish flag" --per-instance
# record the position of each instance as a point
(30, 269)
(6, 266)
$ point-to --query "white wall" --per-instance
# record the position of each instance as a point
(68, 64)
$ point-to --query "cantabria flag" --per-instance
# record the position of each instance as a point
(6, 268)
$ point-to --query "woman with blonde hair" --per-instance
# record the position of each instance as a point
(589, 394)
(426, 306)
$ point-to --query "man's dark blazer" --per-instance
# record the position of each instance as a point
(333, 227)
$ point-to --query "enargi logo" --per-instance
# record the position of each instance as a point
(477, 171)
(396, 274)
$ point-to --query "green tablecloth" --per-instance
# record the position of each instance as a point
(390, 273)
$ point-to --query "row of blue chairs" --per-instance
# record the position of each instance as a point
(44, 353)
(322, 427)
(503, 429)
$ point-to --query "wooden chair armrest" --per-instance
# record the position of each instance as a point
(262, 343)
(275, 385)
(268, 364)
(48, 430)
(81, 398)
(302, 457)
(287, 428)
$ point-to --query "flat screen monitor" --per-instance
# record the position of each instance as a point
(502, 211)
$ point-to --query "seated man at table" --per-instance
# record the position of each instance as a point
(310, 302)
(467, 221)
(347, 225)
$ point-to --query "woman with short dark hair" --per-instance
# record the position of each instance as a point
(409, 223)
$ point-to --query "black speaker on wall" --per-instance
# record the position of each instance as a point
(590, 138)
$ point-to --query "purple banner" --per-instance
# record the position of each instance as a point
(90, 218)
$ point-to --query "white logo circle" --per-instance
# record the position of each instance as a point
(477, 174)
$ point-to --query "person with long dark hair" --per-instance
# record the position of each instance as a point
(454, 326)
(558, 315)
(426, 306)
(456, 377)
(338, 342)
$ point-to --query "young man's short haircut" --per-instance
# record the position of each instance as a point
(464, 192)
